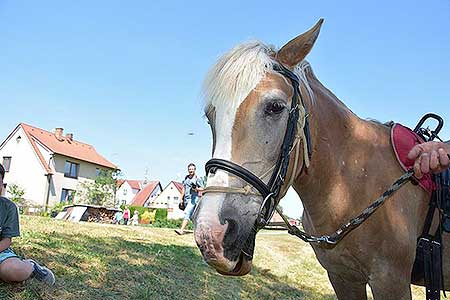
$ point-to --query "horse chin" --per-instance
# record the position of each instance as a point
(243, 267)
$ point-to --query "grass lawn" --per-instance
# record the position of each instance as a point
(96, 261)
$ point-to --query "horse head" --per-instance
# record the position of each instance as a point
(249, 105)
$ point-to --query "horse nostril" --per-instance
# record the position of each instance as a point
(232, 233)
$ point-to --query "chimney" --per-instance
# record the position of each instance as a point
(69, 137)
(59, 134)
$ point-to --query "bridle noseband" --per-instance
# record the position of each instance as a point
(271, 191)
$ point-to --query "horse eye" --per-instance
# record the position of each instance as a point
(274, 108)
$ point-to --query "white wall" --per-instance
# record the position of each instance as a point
(169, 198)
(156, 192)
(125, 193)
(26, 169)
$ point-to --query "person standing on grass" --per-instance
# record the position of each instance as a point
(118, 217)
(135, 219)
(13, 268)
(192, 185)
(126, 215)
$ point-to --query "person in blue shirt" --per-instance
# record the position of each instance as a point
(12, 267)
(192, 185)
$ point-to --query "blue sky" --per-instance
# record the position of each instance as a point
(126, 76)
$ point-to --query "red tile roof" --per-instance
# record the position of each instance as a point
(135, 184)
(179, 186)
(144, 194)
(66, 147)
(120, 182)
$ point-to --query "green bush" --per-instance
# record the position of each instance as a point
(161, 214)
(141, 210)
(57, 208)
(171, 223)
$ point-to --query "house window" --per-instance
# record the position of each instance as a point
(71, 169)
(175, 198)
(67, 196)
(124, 202)
(7, 162)
(125, 191)
(97, 172)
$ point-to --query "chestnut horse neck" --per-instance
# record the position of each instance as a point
(346, 150)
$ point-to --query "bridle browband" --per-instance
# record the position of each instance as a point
(270, 192)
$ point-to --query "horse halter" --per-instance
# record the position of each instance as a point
(270, 191)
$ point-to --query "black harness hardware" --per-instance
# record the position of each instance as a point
(428, 263)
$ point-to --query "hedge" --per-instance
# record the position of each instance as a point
(172, 223)
(161, 214)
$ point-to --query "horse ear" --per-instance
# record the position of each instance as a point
(296, 49)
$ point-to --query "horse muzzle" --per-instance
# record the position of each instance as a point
(210, 243)
(223, 236)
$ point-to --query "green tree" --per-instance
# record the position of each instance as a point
(101, 191)
(16, 193)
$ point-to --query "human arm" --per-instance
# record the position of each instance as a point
(430, 157)
(182, 196)
(5, 243)
(200, 185)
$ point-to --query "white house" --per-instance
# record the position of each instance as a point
(136, 192)
(48, 165)
(169, 198)
(146, 196)
(127, 190)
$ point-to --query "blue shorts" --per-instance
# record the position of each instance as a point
(190, 207)
(8, 253)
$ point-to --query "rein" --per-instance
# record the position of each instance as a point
(329, 241)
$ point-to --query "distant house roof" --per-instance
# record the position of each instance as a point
(179, 186)
(64, 146)
(135, 184)
(144, 194)
(276, 218)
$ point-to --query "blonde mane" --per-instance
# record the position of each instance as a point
(238, 72)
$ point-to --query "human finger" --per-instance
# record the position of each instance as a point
(425, 163)
(417, 171)
(434, 160)
(415, 152)
(444, 158)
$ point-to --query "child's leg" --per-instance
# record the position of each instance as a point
(15, 270)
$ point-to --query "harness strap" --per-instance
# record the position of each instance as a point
(432, 266)
(246, 190)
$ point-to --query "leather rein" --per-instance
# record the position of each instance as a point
(297, 133)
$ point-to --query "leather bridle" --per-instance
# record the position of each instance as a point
(270, 192)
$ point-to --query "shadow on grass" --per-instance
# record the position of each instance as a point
(90, 267)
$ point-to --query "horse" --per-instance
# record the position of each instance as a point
(339, 164)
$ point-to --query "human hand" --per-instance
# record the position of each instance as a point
(430, 157)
